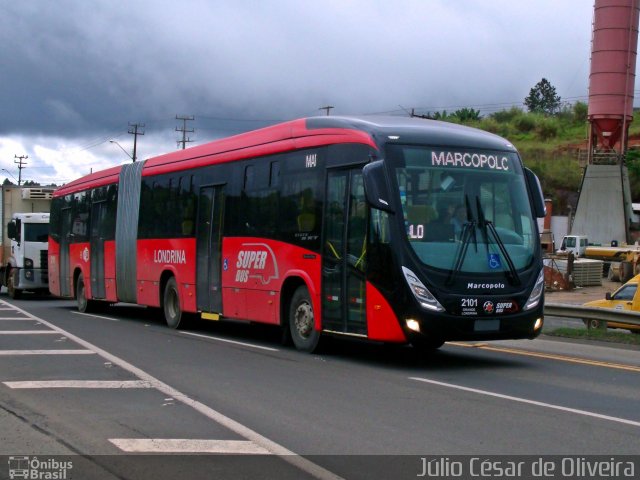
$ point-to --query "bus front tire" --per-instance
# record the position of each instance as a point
(301, 321)
(12, 281)
(171, 304)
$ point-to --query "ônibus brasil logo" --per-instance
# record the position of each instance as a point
(35, 468)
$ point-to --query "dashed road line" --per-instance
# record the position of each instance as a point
(28, 332)
(235, 342)
(530, 402)
(178, 445)
(47, 352)
(96, 316)
(79, 384)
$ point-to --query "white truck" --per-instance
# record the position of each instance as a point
(25, 265)
(577, 244)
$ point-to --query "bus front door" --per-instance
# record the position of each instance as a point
(208, 247)
(96, 243)
(65, 240)
(344, 253)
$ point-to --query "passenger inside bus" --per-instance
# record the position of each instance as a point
(441, 229)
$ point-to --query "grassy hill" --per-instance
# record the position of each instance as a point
(549, 145)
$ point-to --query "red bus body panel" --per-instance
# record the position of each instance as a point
(253, 272)
(382, 323)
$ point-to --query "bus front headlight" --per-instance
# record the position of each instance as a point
(536, 293)
(422, 294)
(28, 263)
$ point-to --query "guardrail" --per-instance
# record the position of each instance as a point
(592, 313)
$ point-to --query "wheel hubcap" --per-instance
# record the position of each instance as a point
(304, 319)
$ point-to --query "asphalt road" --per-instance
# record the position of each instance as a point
(121, 396)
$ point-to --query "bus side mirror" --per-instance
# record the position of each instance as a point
(376, 186)
(11, 230)
(533, 183)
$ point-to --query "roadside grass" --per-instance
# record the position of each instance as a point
(596, 334)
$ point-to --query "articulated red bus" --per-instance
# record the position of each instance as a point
(391, 229)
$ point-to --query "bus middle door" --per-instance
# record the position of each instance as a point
(344, 253)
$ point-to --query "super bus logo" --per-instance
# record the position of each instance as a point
(256, 260)
(469, 160)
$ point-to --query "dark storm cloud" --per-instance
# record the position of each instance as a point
(74, 68)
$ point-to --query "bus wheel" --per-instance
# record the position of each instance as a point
(84, 304)
(171, 304)
(13, 280)
(301, 321)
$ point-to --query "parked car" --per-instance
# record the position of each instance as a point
(627, 297)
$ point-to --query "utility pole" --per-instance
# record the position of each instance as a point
(21, 164)
(327, 108)
(185, 130)
(134, 130)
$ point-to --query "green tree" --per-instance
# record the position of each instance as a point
(543, 98)
(466, 114)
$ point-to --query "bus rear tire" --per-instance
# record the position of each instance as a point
(171, 304)
(84, 304)
(301, 321)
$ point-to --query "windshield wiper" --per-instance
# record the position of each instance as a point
(488, 227)
(468, 231)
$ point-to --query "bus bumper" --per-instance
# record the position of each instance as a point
(524, 325)
(33, 279)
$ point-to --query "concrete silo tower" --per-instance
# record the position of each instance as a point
(604, 206)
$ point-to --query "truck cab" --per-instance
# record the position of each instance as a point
(576, 244)
(26, 263)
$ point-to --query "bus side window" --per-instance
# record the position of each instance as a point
(379, 231)
(307, 217)
(379, 248)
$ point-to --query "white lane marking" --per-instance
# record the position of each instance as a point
(275, 448)
(179, 445)
(531, 402)
(46, 352)
(80, 384)
(15, 318)
(231, 341)
(28, 332)
(95, 316)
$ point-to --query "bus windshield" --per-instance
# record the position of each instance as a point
(465, 211)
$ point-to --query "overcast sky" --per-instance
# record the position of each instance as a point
(73, 74)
